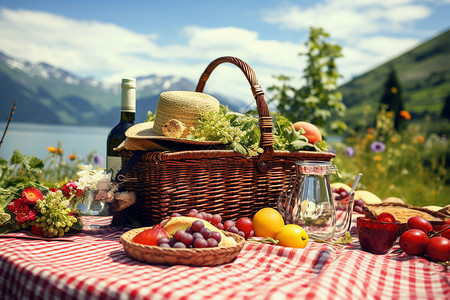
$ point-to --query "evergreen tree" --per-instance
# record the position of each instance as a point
(392, 99)
(446, 109)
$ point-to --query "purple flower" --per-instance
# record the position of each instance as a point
(98, 159)
(377, 147)
(349, 151)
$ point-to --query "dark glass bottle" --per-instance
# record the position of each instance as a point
(127, 119)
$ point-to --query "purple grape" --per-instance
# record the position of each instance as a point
(216, 219)
(172, 241)
(233, 229)
(241, 233)
(178, 234)
(212, 243)
(200, 243)
(359, 202)
(203, 214)
(215, 235)
(219, 226)
(164, 245)
(206, 232)
(189, 230)
(187, 238)
(228, 224)
(192, 214)
(358, 209)
(179, 245)
(194, 211)
(176, 215)
(197, 225)
(162, 240)
(208, 217)
(197, 235)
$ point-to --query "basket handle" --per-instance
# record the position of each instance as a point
(265, 121)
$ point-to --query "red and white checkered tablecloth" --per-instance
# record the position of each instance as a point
(97, 267)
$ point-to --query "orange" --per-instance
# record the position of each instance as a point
(267, 222)
(292, 235)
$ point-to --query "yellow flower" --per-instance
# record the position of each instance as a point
(72, 156)
(433, 193)
(381, 168)
(389, 114)
(394, 90)
(420, 139)
(377, 158)
(369, 137)
(394, 139)
(405, 114)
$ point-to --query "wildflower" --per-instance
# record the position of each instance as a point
(377, 158)
(56, 150)
(98, 159)
(370, 130)
(349, 151)
(389, 114)
(405, 114)
(377, 147)
(72, 156)
(380, 167)
(369, 137)
(22, 211)
(394, 139)
(31, 195)
(420, 139)
(394, 90)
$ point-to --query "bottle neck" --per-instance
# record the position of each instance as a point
(127, 116)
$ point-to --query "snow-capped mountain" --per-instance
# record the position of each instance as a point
(52, 95)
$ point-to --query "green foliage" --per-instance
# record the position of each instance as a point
(412, 167)
(318, 101)
(240, 132)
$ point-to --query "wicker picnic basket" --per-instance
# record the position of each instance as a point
(213, 180)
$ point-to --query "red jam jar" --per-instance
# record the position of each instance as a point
(376, 237)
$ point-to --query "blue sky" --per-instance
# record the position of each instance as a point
(112, 39)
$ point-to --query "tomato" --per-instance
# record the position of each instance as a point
(386, 217)
(151, 236)
(413, 241)
(438, 248)
(245, 225)
(418, 222)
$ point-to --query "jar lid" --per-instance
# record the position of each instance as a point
(316, 167)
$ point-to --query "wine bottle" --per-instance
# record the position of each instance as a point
(117, 135)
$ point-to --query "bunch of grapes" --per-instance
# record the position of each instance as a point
(243, 226)
(56, 218)
(195, 236)
(341, 194)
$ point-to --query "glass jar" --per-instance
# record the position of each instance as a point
(308, 201)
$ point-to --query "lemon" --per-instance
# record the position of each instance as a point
(267, 222)
(292, 235)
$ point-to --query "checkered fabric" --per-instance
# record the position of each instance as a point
(97, 267)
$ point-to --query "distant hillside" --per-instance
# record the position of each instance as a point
(51, 95)
(424, 75)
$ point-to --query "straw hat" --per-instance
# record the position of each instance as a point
(176, 113)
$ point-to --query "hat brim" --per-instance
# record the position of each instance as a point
(145, 131)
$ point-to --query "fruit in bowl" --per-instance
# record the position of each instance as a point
(376, 236)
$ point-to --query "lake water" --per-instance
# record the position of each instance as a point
(33, 139)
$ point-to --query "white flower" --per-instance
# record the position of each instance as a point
(88, 177)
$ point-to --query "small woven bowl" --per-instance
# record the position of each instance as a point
(176, 256)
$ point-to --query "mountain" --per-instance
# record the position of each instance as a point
(424, 76)
(51, 95)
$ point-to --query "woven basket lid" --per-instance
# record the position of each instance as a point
(184, 106)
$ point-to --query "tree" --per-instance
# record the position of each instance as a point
(319, 100)
(392, 99)
(446, 109)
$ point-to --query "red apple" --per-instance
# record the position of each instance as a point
(311, 131)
